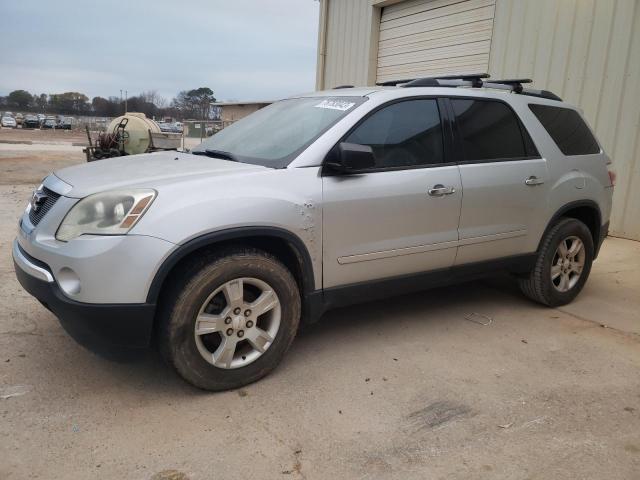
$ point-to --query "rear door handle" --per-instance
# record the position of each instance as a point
(440, 190)
(533, 180)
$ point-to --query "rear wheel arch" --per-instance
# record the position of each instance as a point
(587, 211)
(284, 245)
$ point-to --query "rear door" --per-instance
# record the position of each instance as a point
(401, 217)
(504, 178)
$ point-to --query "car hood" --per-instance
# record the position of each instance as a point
(146, 171)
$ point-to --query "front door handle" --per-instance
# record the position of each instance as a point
(533, 180)
(440, 190)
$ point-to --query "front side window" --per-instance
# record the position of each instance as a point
(567, 128)
(490, 130)
(403, 134)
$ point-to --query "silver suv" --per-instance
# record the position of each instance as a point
(315, 202)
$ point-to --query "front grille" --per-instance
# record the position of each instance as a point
(52, 198)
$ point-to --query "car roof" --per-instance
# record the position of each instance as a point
(341, 92)
(395, 92)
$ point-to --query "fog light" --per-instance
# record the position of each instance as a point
(69, 281)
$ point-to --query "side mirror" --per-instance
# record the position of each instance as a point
(350, 158)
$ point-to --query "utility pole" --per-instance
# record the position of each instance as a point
(125, 102)
(121, 99)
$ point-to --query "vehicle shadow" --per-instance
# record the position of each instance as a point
(420, 307)
(145, 369)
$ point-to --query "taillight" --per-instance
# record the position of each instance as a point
(612, 177)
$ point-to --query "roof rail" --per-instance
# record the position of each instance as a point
(476, 80)
(541, 94)
(516, 87)
(393, 83)
(516, 83)
(342, 86)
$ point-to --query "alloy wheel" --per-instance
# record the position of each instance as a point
(568, 264)
(237, 323)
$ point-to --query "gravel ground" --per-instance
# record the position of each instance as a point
(400, 389)
(37, 135)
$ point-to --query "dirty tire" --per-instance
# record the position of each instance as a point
(538, 285)
(190, 288)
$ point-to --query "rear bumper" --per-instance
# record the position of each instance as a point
(95, 326)
(604, 231)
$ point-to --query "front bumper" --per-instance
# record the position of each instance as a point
(95, 326)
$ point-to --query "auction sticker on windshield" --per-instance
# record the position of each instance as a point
(335, 105)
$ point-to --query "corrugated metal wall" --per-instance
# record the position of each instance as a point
(588, 52)
(347, 42)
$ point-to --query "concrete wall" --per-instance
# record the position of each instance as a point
(586, 51)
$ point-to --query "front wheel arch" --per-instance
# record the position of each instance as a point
(284, 245)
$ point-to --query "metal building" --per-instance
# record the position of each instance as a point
(586, 51)
(230, 112)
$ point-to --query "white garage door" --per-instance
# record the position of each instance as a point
(419, 38)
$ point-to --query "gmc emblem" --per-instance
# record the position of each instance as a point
(37, 200)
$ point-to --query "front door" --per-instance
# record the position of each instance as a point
(401, 217)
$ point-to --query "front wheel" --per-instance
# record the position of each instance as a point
(230, 318)
(563, 264)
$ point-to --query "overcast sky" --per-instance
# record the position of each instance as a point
(241, 49)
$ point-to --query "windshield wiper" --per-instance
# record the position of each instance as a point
(216, 154)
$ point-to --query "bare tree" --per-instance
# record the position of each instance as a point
(152, 96)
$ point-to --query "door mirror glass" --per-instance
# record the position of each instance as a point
(351, 158)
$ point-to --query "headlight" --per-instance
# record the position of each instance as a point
(107, 213)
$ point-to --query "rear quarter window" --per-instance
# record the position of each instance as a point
(567, 128)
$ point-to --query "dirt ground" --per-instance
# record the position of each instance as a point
(45, 151)
(409, 388)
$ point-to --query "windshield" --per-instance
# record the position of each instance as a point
(275, 135)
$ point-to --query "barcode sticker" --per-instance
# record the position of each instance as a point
(335, 105)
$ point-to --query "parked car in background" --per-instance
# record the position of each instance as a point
(179, 127)
(19, 118)
(49, 123)
(67, 123)
(30, 121)
(166, 127)
(41, 118)
(8, 122)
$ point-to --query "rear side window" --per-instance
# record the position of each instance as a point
(567, 129)
(402, 135)
(490, 130)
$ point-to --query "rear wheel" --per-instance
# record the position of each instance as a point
(230, 320)
(563, 264)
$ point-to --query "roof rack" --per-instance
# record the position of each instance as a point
(476, 80)
(342, 86)
(516, 83)
(429, 81)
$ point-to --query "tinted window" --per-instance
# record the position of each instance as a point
(567, 129)
(490, 131)
(403, 134)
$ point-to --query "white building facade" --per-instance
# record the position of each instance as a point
(585, 51)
